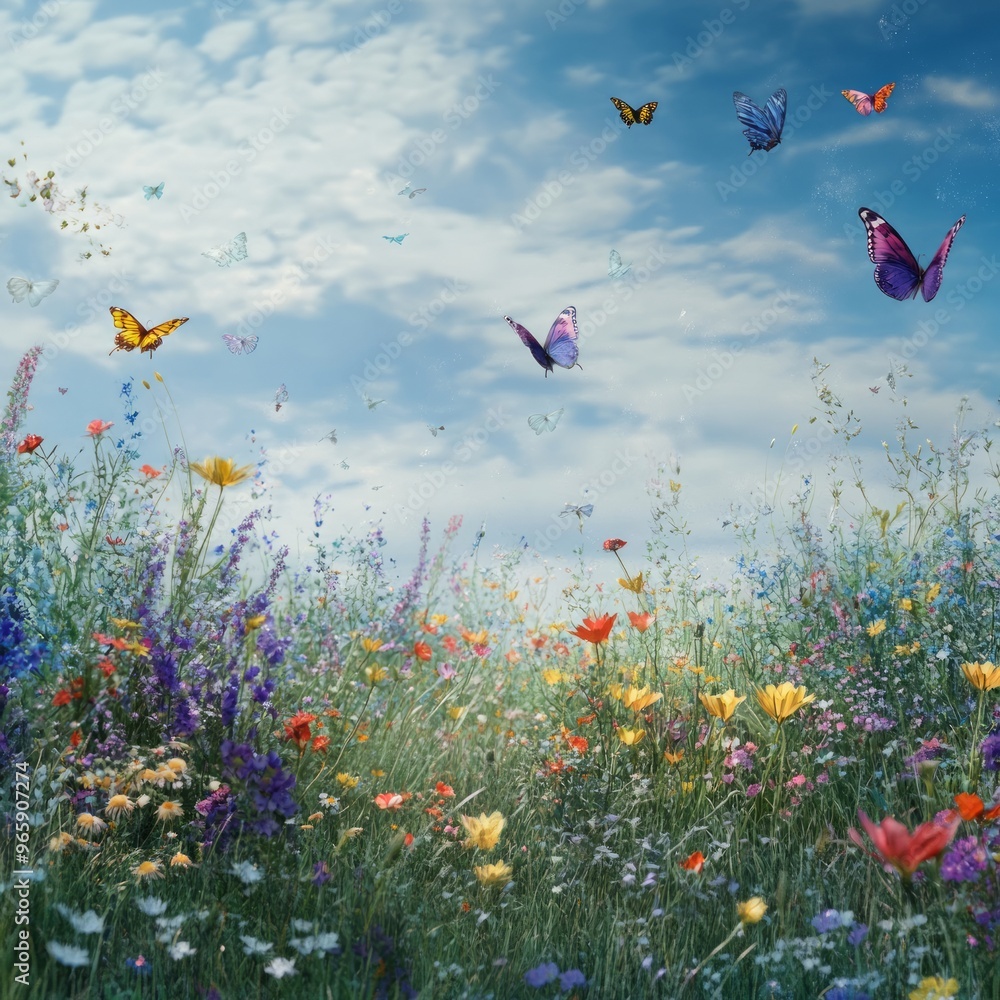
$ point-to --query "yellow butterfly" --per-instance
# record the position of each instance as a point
(134, 334)
(629, 114)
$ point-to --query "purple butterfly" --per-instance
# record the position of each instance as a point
(240, 345)
(560, 345)
(897, 272)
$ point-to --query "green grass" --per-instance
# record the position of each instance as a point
(163, 646)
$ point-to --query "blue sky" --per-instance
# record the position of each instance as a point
(299, 122)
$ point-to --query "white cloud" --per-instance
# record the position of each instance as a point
(964, 93)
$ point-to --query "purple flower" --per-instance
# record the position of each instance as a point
(965, 862)
(542, 974)
(570, 979)
(991, 751)
(857, 934)
(826, 921)
(321, 873)
(846, 993)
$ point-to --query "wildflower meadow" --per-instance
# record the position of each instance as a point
(231, 773)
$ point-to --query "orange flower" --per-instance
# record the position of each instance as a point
(595, 630)
(389, 800)
(297, 729)
(972, 807)
(578, 743)
(422, 651)
(97, 427)
(149, 472)
(586, 720)
(694, 862)
(446, 790)
(896, 846)
(614, 544)
(29, 444)
(320, 744)
(640, 622)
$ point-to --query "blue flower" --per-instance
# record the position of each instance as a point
(542, 974)
(826, 921)
(571, 978)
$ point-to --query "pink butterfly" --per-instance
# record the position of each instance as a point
(864, 103)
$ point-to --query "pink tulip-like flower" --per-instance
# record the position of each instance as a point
(97, 427)
(903, 850)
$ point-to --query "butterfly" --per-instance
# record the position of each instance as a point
(480, 535)
(331, 437)
(228, 253)
(581, 512)
(240, 345)
(560, 345)
(435, 430)
(897, 272)
(134, 334)
(280, 396)
(62, 391)
(344, 465)
(396, 239)
(34, 291)
(416, 191)
(405, 190)
(763, 128)
(371, 403)
(873, 389)
(630, 115)
(864, 103)
(151, 191)
(615, 267)
(539, 422)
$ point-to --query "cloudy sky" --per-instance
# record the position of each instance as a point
(299, 123)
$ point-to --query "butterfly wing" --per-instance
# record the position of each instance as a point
(931, 280)
(882, 97)
(417, 191)
(615, 267)
(539, 422)
(528, 339)
(763, 127)
(561, 343)
(280, 396)
(38, 290)
(228, 253)
(134, 334)
(150, 191)
(404, 191)
(645, 113)
(18, 288)
(862, 102)
(626, 111)
(897, 272)
(240, 345)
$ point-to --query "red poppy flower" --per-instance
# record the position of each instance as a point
(97, 427)
(640, 622)
(297, 729)
(693, 862)
(29, 444)
(614, 544)
(149, 472)
(595, 629)
(903, 850)
(446, 790)
(422, 651)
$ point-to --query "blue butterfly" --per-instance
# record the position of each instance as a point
(763, 128)
(150, 191)
(560, 345)
(396, 239)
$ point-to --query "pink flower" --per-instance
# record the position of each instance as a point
(903, 850)
(97, 427)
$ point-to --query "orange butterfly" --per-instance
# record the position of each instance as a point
(864, 103)
(630, 115)
(134, 334)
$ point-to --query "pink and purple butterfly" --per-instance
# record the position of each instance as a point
(560, 345)
(897, 272)
(240, 345)
(763, 125)
(866, 103)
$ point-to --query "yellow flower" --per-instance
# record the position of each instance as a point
(935, 988)
(639, 699)
(91, 825)
(906, 604)
(929, 599)
(456, 711)
(673, 758)
(631, 736)
(148, 869)
(983, 676)
(176, 764)
(253, 622)
(635, 585)
(752, 910)
(61, 842)
(483, 832)
(783, 701)
(222, 471)
(117, 805)
(553, 676)
(371, 645)
(347, 781)
(722, 706)
(876, 628)
(180, 860)
(376, 674)
(498, 874)
(615, 690)
(348, 835)
(169, 811)
(125, 623)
